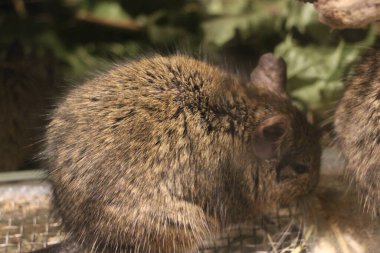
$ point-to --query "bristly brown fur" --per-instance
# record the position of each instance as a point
(156, 155)
(357, 125)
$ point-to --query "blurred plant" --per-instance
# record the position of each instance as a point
(84, 34)
(317, 57)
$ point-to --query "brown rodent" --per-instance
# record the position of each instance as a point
(158, 154)
(27, 83)
(357, 125)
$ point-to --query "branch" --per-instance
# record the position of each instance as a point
(347, 13)
(90, 18)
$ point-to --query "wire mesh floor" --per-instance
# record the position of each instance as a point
(26, 224)
(25, 221)
(337, 225)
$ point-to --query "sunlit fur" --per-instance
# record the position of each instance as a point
(357, 126)
(156, 155)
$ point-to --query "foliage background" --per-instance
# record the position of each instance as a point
(86, 35)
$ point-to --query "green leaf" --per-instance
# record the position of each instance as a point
(300, 15)
(225, 7)
(110, 10)
(315, 72)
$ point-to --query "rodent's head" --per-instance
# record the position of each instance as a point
(287, 151)
(285, 147)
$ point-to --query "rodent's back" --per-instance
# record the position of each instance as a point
(121, 140)
(357, 124)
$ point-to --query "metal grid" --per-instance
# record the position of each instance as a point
(267, 234)
(29, 233)
(26, 224)
(25, 220)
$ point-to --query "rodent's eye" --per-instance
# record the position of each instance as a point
(300, 168)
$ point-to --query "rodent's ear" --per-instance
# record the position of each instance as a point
(268, 136)
(270, 73)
